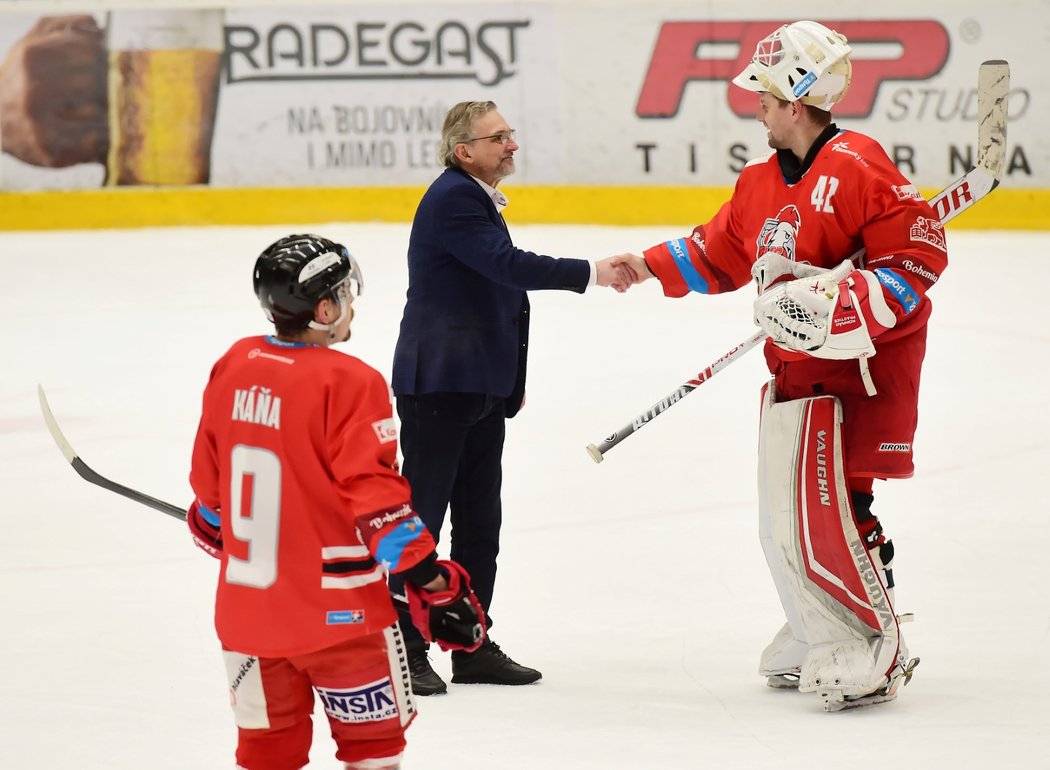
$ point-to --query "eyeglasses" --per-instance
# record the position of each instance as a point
(501, 138)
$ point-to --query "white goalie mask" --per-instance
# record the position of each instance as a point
(804, 62)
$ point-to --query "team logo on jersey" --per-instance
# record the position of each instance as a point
(843, 147)
(919, 270)
(899, 288)
(928, 231)
(380, 520)
(344, 617)
(256, 353)
(906, 192)
(386, 430)
(780, 234)
(372, 702)
(698, 241)
(257, 405)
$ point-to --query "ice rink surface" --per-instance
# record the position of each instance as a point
(637, 586)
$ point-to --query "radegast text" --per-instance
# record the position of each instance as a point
(486, 52)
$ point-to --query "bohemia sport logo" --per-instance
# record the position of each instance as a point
(689, 50)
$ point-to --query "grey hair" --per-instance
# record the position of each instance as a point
(457, 128)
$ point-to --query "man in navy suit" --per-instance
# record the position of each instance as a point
(459, 364)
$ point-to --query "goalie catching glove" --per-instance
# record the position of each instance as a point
(773, 269)
(453, 617)
(825, 316)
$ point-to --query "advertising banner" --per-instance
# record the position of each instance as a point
(675, 118)
(601, 94)
(357, 95)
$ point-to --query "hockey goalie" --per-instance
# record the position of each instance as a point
(846, 341)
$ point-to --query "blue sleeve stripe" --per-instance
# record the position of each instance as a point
(899, 288)
(209, 515)
(393, 544)
(692, 278)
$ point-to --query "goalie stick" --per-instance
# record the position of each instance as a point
(993, 88)
(87, 473)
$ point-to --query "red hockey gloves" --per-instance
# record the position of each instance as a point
(453, 618)
(205, 529)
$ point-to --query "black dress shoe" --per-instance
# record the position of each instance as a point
(490, 665)
(425, 680)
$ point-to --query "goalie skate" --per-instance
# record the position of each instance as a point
(788, 680)
(785, 681)
(834, 700)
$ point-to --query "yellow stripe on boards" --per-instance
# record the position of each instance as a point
(1004, 209)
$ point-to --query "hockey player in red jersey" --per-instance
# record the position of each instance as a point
(843, 250)
(298, 493)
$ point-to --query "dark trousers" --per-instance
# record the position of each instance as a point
(452, 444)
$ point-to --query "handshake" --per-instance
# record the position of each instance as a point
(622, 271)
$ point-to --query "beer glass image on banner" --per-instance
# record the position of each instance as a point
(163, 92)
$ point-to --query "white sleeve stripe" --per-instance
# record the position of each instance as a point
(344, 552)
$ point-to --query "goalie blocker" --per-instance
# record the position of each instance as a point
(843, 638)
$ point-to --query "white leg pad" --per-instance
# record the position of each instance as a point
(784, 655)
(842, 635)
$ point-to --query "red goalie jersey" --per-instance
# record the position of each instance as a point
(295, 457)
(847, 195)
(850, 197)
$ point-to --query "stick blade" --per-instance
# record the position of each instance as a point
(56, 433)
(93, 477)
(993, 101)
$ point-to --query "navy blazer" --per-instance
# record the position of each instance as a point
(466, 323)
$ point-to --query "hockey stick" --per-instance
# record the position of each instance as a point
(87, 473)
(993, 87)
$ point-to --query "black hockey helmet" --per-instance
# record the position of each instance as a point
(296, 272)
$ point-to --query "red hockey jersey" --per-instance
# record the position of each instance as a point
(296, 452)
(851, 197)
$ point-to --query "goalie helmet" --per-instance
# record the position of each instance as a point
(296, 272)
(804, 62)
